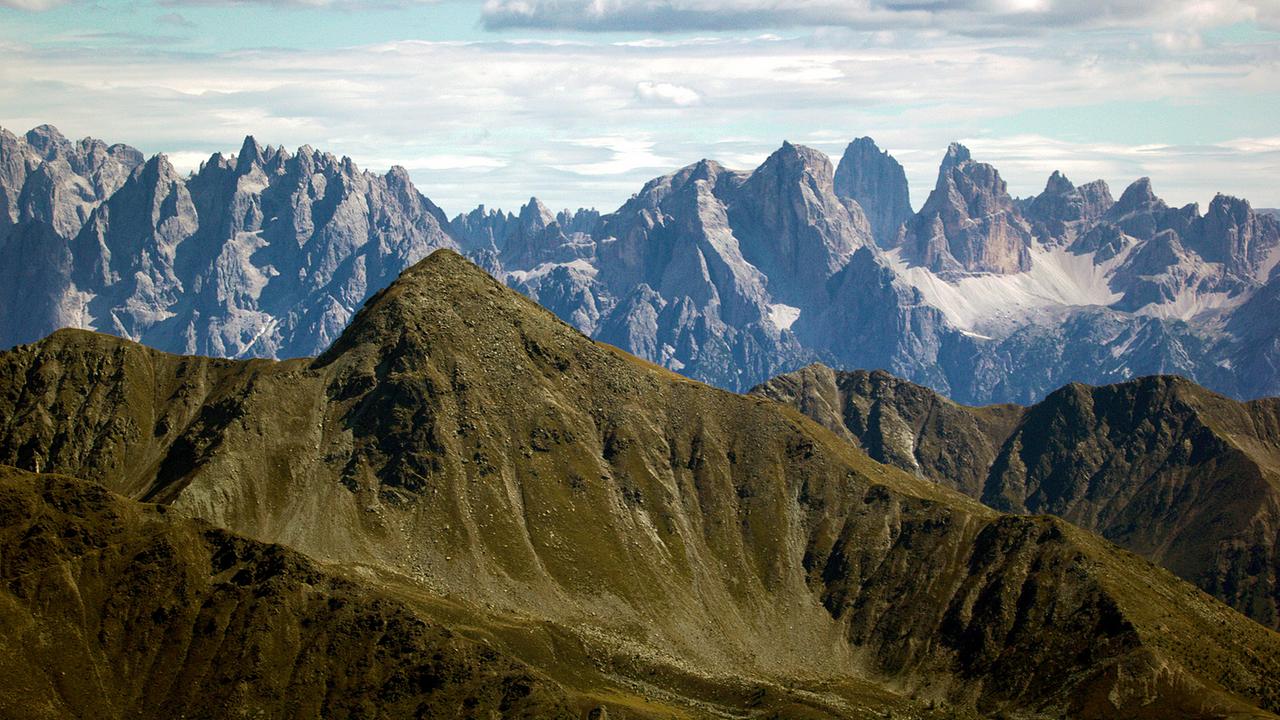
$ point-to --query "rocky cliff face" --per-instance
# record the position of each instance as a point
(705, 270)
(1062, 211)
(263, 253)
(724, 276)
(969, 224)
(1182, 476)
(733, 545)
(876, 181)
(48, 180)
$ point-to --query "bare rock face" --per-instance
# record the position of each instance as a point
(528, 239)
(619, 529)
(876, 181)
(1180, 475)
(969, 224)
(1233, 234)
(46, 178)
(793, 226)
(263, 253)
(1060, 213)
(705, 270)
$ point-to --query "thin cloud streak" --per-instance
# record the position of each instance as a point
(980, 18)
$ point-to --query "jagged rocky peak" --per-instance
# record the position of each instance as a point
(792, 225)
(250, 154)
(535, 216)
(794, 161)
(52, 182)
(969, 224)
(876, 181)
(1064, 211)
(582, 220)
(1138, 197)
(46, 140)
(957, 155)
(1232, 233)
(1058, 184)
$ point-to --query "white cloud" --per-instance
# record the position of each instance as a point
(667, 94)
(495, 122)
(618, 155)
(31, 5)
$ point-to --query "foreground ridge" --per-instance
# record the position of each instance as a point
(625, 531)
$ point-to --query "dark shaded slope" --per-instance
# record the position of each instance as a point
(114, 609)
(618, 525)
(1184, 477)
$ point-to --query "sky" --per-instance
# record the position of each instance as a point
(579, 102)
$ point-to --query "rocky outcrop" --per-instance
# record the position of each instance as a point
(1182, 476)
(1062, 211)
(969, 224)
(876, 181)
(454, 438)
(1243, 241)
(793, 227)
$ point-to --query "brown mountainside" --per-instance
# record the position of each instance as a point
(115, 609)
(649, 543)
(1178, 474)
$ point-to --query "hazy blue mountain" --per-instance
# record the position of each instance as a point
(727, 276)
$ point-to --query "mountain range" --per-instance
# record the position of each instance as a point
(488, 513)
(727, 277)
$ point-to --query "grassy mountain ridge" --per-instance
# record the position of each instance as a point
(116, 609)
(483, 458)
(1181, 475)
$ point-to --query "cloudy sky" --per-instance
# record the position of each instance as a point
(580, 101)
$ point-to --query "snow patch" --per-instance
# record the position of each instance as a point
(542, 270)
(783, 316)
(1190, 304)
(983, 304)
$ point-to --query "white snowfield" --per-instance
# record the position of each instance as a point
(783, 316)
(991, 304)
(580, 265)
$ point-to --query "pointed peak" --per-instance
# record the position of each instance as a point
(398, 176)
(250, 154)
(864, 143)
(798, 157)
(1058, 184)
(1138, 194)
(156, 170)
(536, 215)
(956, 154)
(442, 289)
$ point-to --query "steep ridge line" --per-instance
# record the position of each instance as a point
(484, 459)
